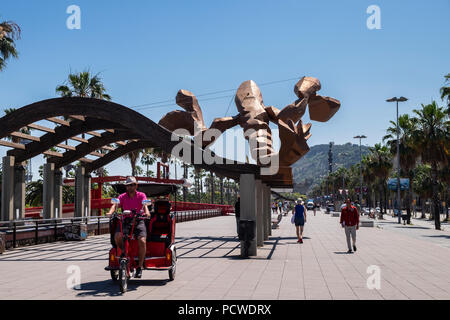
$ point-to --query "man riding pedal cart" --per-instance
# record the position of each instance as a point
(132, 200)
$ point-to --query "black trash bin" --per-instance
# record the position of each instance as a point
(247, 230)
(247, 233)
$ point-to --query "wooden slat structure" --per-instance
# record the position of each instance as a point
(96, 154)
(12, 144)
(79, 139)
(66, 146)
(59, 121)
(81, 118)
(25, 136)
(88, 115)
(53, 154)
(40, 128)
(93, 133)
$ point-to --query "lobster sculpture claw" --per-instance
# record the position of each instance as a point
(254, 118)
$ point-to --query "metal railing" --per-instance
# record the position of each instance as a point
(29, 229)
(182, 216)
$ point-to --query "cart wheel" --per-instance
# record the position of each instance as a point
(114, 275)
(123, 277)
(174, 266)
(172, 272)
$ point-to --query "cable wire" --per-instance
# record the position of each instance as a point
(165, 103)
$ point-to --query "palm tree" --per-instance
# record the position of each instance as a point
(381, 163)
(24, 130)
(407, 147)
(83, 85)
(368, 177)
(148, 158)
(432, 141)
(133, 157)
(9, 32)
(445, 91)
(34, 193)
(422, 184)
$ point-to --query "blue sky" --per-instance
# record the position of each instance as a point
(147, 50)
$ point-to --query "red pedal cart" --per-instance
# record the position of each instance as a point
(161, 250)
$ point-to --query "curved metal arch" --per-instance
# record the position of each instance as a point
(61, 134)
(225, 170)
(88, 107)
(94, 108)
(95, 143)
(154, 134)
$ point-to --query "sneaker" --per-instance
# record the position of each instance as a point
(138, 273)
(354, 248)
(298, 241)
(349, 251)
(301, 241)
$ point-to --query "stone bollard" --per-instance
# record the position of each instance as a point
(367, 223)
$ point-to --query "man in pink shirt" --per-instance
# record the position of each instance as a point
(132, 200)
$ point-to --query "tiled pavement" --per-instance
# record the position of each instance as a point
(209, 266)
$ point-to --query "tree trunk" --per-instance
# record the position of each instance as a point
(423, 209)
(385, 198)
(133, 167)
(185, 174)
(221, 190)
(212, 187)
(381, 202)
(437, 213)
(446, 204)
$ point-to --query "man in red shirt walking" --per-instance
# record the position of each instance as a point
(350, 222)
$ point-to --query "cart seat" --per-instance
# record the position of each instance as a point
(160, 224)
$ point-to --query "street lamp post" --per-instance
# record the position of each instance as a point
(399, 206)
(360, 167)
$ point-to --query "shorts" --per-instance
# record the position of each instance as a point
(299, 222)
(139, 229)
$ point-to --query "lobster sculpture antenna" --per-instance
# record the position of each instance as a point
(254, 118)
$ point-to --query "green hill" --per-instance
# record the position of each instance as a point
(308, 170)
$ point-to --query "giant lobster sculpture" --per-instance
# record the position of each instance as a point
(254, 118)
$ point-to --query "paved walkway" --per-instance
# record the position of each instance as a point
(209, 267)
(419, 229)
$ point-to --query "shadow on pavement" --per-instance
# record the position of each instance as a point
(111, 289)
(439, 236)
(100, 288)
(412, 227)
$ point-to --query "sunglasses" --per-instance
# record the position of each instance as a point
(131, 185)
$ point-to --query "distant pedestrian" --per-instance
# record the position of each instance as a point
(299, 213)
(358, 207)
(274, 207)
(280, 205)
(350, 222)
(314, 208)
(237, 212)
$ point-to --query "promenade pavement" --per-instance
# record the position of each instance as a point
(209, 267)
